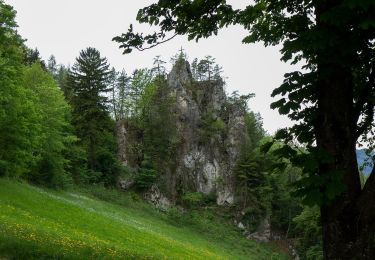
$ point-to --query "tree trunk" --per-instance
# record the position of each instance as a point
(348, 231)
(346, 237)
(347, 222)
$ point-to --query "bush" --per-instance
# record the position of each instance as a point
(253, 217)
(308, 225)
(197, 199)
(175, 215)
(49, 172)
(192, 199)
(211, 126)
(145, 178)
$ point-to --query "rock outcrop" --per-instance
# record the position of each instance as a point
(263, 233)
(210, 132)
(158, 199)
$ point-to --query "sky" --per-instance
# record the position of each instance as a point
(64, 28)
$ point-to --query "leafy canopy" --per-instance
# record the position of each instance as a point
(326, 36)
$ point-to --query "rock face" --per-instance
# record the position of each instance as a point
(263, 233)
(210, 134)
(122, 138)
(159, 200)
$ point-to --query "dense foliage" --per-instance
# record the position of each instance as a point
(331, 98)
(55, 136)
(89, 83)
(57, 124)
(35, 131)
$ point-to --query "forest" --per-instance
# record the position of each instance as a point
(163, 163)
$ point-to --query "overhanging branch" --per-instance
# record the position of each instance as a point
(156, 44)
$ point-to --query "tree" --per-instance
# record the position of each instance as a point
(332, 99)
(140, 80)
(31, 56)
(156, 108)
(206, 69)
(50, 166)
(34, 117)
(207, 66)
(123, 95)
(89, 79)
(180, 56)
(194, 69)
(217, 71)
(112, 82)
(19, 120)
(52, 65)
(62, 80)
(159, 67)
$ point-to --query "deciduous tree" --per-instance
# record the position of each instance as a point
(331, 99)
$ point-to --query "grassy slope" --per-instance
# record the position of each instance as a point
(44, 224)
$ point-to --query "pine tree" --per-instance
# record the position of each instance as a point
(62, 80)
(194, 69)
(206, 69)
(112, 81)
(33, 56)
(217, 71)
(123, 95)
(180, 56)
(52, 65)
(159, 67)
(89, 80)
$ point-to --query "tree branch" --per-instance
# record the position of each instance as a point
(156, 44)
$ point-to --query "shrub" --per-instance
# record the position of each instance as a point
(253, 217)
(308, 225)
(192, 199)
(211, 126)
(145, 178)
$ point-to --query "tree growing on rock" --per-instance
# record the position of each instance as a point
(159, 67)
(206, 69)
(121, 96)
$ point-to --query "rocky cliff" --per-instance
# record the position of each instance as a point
(210, 131)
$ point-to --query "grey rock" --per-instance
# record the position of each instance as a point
(241, 226)
(263, 233)
(122, 138)
(155, 197)
(204, 166)
(125, 183)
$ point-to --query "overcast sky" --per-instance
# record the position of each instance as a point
(63, 28)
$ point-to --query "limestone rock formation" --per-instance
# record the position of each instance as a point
(210, 134)
(158, 199)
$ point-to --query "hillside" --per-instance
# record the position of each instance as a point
(44, 224)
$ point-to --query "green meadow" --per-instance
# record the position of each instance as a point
(38, 223)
